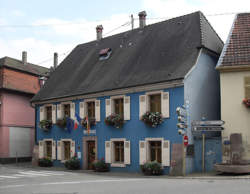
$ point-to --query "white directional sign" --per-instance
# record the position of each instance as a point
(208, 123)
(207, 128)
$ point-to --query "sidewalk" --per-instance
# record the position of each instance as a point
(200, 176)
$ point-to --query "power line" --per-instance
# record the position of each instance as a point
(81, 23)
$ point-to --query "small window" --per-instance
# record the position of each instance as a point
(155, 103)
(105, 54)
(119, 151)
(66, 110)
(48, 149)
(48, 112)
(155, 151)
(247, 87)
(66, 150)
(91, 109)
(118, 106)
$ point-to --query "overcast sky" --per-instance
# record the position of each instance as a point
(44, 27)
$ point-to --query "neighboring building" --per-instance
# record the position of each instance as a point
(234, 67)
(153, 68)
(19, 82)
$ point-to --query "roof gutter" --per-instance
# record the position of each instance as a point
(148, 87)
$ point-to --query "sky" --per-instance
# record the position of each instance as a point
(44, 27)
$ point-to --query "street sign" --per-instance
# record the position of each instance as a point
(207, 128)
(185, 140)
(210, 123)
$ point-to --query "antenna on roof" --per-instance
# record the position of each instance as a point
(132, 21)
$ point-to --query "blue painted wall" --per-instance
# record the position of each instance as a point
(134, 130)
(202, 94)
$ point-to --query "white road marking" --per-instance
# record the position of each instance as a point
(30, 173)
(9, 177)
(76, 182)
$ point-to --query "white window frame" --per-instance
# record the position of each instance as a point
(148, 94)
(148, 152)
(62, 108)
(147, 141)
(86, 106)
(113, 163)
(145, 107)
(45, 145)
(45, 110)
(112, 98)
(62, 148)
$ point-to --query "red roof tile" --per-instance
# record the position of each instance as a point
(237, 51)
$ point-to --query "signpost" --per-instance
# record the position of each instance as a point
(213, 125)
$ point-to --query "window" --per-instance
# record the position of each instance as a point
(247, 87)
(66, 150)
(66, 110)
(48, 149)
(118, 106)
(48, 112)
(155, 151)
(155, 103)
(119, 151)
(91, 109)
(105, 54)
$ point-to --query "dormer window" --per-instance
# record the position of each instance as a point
(105, 54)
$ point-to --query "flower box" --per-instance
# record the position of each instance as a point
(152, 119)
(114, 120)
(101, 166)
(45, 125)
(152, 168)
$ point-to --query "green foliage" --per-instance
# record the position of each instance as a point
(62, 122)
(152, 119)
(73, 164)
(152, 168)
(45, 125)
(101, 166)
(45, 162)
(114, 120)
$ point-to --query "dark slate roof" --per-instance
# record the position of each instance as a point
(237, 48)
(157, 53)
(29, 67)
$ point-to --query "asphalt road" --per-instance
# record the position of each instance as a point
(37, 181)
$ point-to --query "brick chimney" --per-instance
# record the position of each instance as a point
(24, 57)
(99, 29)
(55, 60)
(142, 19)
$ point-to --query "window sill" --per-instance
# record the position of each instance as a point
(121, 165)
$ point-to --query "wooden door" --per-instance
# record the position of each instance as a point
(91, 154)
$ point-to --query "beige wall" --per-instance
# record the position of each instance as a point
(233, 111)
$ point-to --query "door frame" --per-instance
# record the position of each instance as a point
(85, 139)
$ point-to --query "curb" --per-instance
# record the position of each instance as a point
(124, 174)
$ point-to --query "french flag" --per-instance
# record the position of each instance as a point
(77, 121)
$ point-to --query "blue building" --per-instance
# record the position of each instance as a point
(154, 68)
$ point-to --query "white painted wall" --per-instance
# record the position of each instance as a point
(20, 142)
(233, 111)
